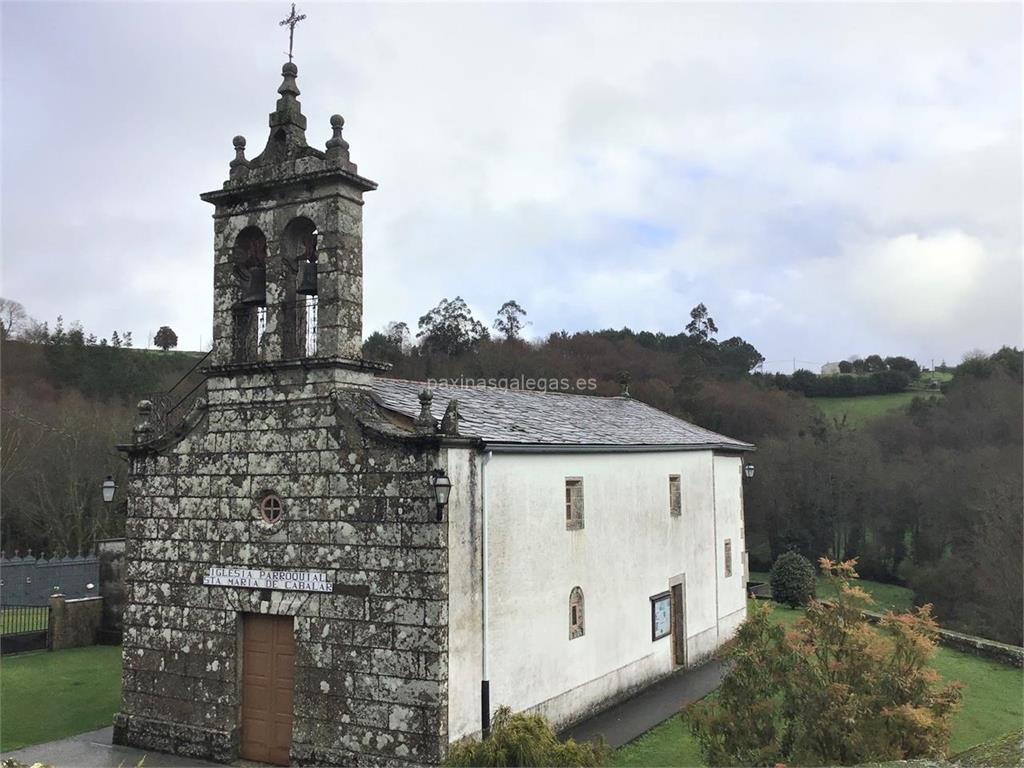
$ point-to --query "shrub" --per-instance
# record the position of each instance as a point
(792, 579)
(525, 740)
(834, 691)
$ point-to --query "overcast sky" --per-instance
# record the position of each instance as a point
(829, 179)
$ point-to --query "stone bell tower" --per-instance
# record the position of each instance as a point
(288, 275)
(286, 576)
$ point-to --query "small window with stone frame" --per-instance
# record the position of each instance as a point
(728, 558)
(576, 625)
(675, 496)
(573, 503)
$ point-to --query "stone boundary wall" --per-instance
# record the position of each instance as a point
(1012, 655)
(31, 580)
(74, 623)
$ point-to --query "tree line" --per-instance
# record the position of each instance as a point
(928, 497)
(811, 385)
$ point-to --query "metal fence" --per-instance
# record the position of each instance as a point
(24, 628)
(31, 580)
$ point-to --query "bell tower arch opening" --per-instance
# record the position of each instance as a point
(249, 307)
(300, 263)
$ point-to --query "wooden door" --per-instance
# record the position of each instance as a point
(678, 625)
(268, 654)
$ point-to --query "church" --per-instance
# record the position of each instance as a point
(328, 566)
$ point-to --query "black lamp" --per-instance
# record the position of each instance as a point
(442, 490)
(748, 470)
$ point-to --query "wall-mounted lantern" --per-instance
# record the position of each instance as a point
(442, 490)
(108, 489)
(748, 470)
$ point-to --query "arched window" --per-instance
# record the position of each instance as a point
(576, 626)
(299, 324)
(249, 260)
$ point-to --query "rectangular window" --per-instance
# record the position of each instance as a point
(573, 503)
(675, 496)
(728, 558)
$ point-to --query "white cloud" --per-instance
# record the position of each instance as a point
(919, 284)
(792, 166)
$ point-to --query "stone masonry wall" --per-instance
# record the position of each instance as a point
(371, 658)
(74, 623)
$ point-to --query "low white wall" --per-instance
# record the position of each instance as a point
(628, 551)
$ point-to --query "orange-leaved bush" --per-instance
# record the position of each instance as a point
(833, 691)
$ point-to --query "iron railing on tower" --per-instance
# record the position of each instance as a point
(171, 407)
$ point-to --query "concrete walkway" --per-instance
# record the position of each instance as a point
(94, 750)
(652, 706)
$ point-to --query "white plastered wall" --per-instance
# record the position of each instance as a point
(629, 550)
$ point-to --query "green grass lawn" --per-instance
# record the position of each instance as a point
(886, 595)
(860, 410)
(23, 619)
(51, 695)
(993, 705)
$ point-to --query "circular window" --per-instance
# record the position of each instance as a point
(271, 508)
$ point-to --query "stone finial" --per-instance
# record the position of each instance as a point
(239, 166)
(287, 123)
(624, 379)
(288, 108)
(425, 423)
(289, 88)
(337, 147)
(450, 420)
(144, 427)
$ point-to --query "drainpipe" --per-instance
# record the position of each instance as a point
(485, 683)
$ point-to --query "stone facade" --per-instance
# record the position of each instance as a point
(370, 675)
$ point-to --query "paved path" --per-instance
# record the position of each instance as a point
(94, 750)
(623, 722)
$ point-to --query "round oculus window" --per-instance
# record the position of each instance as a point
(271, 509)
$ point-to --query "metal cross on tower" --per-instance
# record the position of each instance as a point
(291, 21)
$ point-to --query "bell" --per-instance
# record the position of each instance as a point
(307, 285)
(256, 293)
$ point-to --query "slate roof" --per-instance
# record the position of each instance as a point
(498, 415)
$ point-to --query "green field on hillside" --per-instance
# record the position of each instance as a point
(860, 410)
(992, 707)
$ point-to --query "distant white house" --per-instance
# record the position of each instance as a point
(830, 369)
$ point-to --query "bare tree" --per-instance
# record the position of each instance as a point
(51, 480)
(13, 318)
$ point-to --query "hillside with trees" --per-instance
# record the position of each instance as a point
(927, 496)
